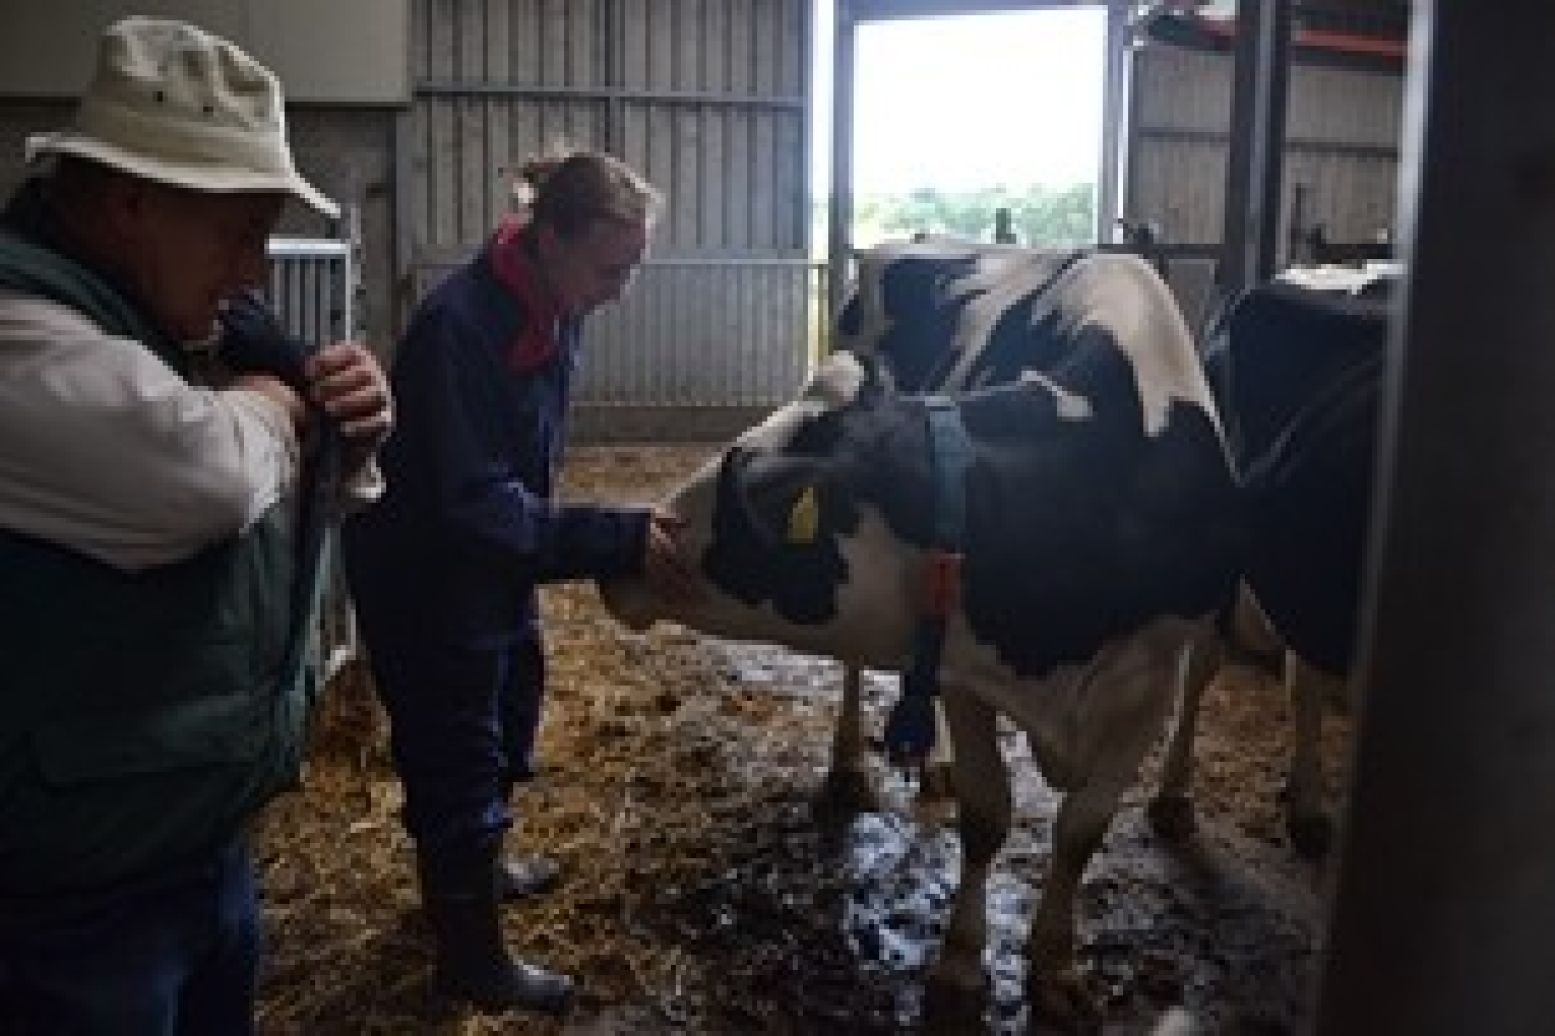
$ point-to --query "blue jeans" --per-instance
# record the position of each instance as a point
(462, 725)
(174, 959)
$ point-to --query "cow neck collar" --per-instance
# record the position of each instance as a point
(910, 728)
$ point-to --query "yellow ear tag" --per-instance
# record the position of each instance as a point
(805, 519)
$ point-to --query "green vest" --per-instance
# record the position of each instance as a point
(143, 717)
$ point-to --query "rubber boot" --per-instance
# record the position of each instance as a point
(459, 891)
(523, 877)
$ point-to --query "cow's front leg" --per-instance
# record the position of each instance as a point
(1310, 827)
(848, 789)
(957, 983)
(1171, 811)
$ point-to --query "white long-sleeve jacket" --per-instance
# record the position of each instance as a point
(104, 450)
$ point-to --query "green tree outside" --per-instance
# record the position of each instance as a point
(1042, 215)
(1058, 217)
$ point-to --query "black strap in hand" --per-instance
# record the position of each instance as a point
(252, 341)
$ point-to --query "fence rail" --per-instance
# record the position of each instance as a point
(314, 285)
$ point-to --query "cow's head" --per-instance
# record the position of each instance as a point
(781, 532)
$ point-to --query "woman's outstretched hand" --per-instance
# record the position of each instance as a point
(665, 567)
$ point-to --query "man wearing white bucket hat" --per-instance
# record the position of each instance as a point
(157, 583)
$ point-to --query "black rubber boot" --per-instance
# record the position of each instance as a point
(459, 891)
(520, 877)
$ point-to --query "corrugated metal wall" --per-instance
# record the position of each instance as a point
(1342, 137)
(706, 97)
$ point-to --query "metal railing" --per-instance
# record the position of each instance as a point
(314, 285)
(729, 329)
(697, 331)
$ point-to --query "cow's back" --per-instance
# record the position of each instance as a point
(942, 316)
(1278, 349)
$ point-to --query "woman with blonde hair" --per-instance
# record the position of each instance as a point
(445, 569)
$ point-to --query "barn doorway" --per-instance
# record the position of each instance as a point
(957, 118)
(947, 120)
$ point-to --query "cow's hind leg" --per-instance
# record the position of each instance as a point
(936, 803)
(957, 984)
(1309, 825)
(1171, 811)
(848, 789)
(1126, 703)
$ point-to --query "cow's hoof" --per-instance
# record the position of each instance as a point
(936, 800)
(938, 782)
(934, 812)
(1310, 835)
(1171, 817)
(846, 794)
(1061, 1001)
(953, 1006)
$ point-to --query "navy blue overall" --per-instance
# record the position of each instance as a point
(444, 568)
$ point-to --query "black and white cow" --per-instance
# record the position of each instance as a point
(1295, 366)
(1102, 537)
(1297, 373)
(928, 313)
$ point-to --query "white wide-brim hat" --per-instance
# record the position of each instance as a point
(173, 103)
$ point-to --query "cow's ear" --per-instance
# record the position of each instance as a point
(782, 499)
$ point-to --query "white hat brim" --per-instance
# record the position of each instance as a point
(212, 177)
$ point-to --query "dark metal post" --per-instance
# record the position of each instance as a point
(1444, 915)
(839, 254)
(1256, 155)
(1114, 123)
(402, 291)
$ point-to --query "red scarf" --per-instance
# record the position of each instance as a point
(537, 339)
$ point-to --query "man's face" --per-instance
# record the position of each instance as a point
(595, 265)
(192, 249)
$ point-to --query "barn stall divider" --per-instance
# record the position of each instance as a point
(314, 287)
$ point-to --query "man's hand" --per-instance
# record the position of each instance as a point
(664, 564)
(347, 382)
